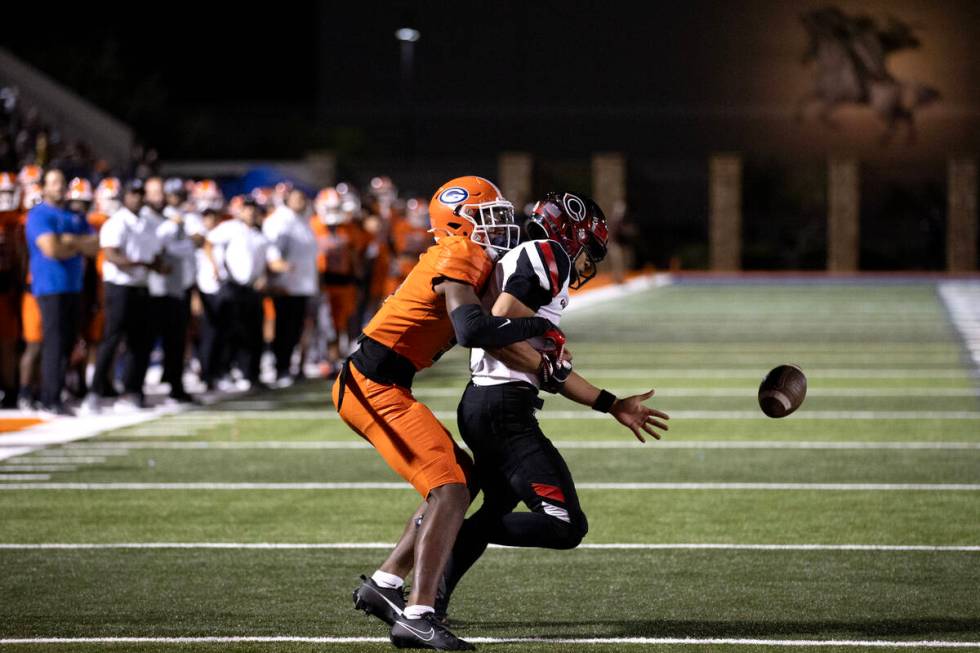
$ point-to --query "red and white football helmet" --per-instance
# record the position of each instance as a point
(577, 224)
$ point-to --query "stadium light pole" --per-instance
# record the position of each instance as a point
(407, 38)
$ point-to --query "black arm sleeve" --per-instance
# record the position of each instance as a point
(474, 328)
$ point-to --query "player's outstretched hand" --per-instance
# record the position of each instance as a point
(631, 413)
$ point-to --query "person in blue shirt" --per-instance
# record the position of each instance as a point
(57, 241)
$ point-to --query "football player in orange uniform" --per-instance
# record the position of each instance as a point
(382, 214)
(341, 242)
(410, 237)
(12, 258)
(435, 307)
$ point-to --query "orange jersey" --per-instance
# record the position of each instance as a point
(339, 247)
(414, 321)
(96, 220)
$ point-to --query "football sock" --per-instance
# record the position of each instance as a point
(386, 580)
(416, 611)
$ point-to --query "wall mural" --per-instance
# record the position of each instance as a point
(848, 55)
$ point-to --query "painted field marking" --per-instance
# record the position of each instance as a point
(643, 641)
(614, 546)
(668, 393)
(562, 444)
(328, 414)
(37, 468)
(835, 487)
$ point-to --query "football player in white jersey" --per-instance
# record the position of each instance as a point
(515, 462)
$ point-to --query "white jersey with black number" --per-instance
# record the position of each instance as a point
(536, 272)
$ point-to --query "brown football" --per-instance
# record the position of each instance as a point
(782, 391)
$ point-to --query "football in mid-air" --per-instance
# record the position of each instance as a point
(782, 391)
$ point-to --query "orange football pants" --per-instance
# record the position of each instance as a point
(404, 431)
(30, 318)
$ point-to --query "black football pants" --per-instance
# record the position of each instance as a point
(127, 317)
(515, 463)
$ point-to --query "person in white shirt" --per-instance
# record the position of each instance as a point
(169, 291)
(207, 285)
(237, 251)
(132, 249)
(293, 247)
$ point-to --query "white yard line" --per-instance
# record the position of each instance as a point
(834, 487)
(97, 447)
(590, 298)
(328, 414)
(613, 546)
(37, 468)
(670, 392)
(4, 477)
(587, 641)
(756, 373)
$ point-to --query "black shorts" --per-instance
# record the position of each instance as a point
(514, 460)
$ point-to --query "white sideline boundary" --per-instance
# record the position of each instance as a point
(643, 641)
(60, 430)
(328, 414)
(114, 447)
(589, 298)
(833, 487)
(614, 546)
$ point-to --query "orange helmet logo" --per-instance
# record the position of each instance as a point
(473, 207)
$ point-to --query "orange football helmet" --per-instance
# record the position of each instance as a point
(29, 174)
(9, 192)
(79, 190)
(328, 206)
(473, 207)
(108, 196)
(207, 195)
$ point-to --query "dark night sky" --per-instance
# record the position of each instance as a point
(208, 80)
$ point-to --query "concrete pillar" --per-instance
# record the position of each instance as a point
(843, 214)
(725, 211)
(961, 215)
(609, 181)
(514, 177)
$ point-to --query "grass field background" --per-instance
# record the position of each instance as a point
(893, 402)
